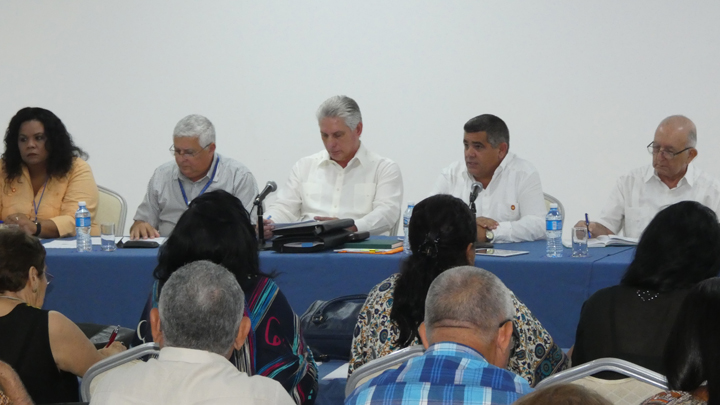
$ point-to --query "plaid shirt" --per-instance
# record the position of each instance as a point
(448, 373)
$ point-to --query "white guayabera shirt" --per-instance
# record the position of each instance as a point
(369, 190)
(640, 194)
(514, 197)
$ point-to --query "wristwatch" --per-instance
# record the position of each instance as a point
(489, 235)
(39, 228)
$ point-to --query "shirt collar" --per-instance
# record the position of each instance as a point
(361, 156)
(689, 177)
(178, 175)
(453, 349)
(190, 356)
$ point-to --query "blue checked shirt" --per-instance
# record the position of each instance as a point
(448, 373)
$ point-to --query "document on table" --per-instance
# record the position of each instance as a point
(282, 225)
(500, 252)
(72, 243)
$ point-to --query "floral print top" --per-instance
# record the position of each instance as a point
(536, 354)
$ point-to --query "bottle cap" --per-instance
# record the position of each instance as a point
(411, 204)
(81, 203)
(553, 205)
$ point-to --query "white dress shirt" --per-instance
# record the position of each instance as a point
(164, 203)
(183, 377)
(514, 197)
(369, 190)
(639, 195)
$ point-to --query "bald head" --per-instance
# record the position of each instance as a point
(680, 126)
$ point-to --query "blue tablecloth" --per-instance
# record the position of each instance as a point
(112, 287)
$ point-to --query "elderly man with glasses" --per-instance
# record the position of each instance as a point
(671, 178)
(197, 169)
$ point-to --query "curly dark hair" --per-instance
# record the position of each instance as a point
(59, 144)
(441, 228)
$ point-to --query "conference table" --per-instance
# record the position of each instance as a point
(112, 287)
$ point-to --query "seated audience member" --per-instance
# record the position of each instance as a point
(197, 325)
(511, 206)
(468, 337)
(275, 347)
(45, 348)
(197, 169)
(346, 180)
(671, 178)
(442, 235)
(12, 391)
(563, 394)
(692, 353)
(632, 321)
(44, 176)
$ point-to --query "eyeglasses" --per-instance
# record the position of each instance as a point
(191, 153)
(654, 150)
(515, 336)
(49, 277)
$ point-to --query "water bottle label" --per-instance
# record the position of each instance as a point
(406, 221)
(82, 222)
(553, 225)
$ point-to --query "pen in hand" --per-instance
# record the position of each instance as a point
(113, 335)
(587, 225)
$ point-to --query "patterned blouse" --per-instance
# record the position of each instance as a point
(536, 354)
(673, 398)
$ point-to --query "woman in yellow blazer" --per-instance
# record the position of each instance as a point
(44, 176)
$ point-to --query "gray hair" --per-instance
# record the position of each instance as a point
(201, 306)
(468, 295)
(195, 126)
(683, 121)
(341, 107)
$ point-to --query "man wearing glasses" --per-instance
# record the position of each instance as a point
(197, 169)
(639, 195)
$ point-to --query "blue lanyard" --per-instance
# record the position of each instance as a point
(182, 189)
(37, 207)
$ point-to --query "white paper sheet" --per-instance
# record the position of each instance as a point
(72, 244)
(340, 372)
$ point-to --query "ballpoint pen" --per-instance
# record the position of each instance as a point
(587, 225)
(113, 335)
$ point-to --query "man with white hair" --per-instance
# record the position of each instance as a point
(197, 169)
(671, 178)
(343, 181)
(198, 323)
(467, 333)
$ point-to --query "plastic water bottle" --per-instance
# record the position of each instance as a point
(553, 232)
(82, 228)
(406, 227)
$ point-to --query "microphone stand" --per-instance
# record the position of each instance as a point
(261, 232)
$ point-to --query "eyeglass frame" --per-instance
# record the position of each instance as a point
(515, 336)
(49, 277)
(184, 152)
(665, 153)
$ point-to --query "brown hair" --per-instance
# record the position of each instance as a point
(563, 394)
(18, 252)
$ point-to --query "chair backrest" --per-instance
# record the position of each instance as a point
(623, 367)
(375, 367)
(549, 200)
(112, 362)
(111, 208)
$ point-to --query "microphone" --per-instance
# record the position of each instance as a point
(269, 188)
(475, 189)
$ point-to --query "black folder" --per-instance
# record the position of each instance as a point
(315, 228)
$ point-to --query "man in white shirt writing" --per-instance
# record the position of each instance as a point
(343, 181)
(671, 178)
(510, 206)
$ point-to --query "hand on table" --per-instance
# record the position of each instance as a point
(487, 223)
(142, 229)
(595, 229)
(268, 228)
(23, 222)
